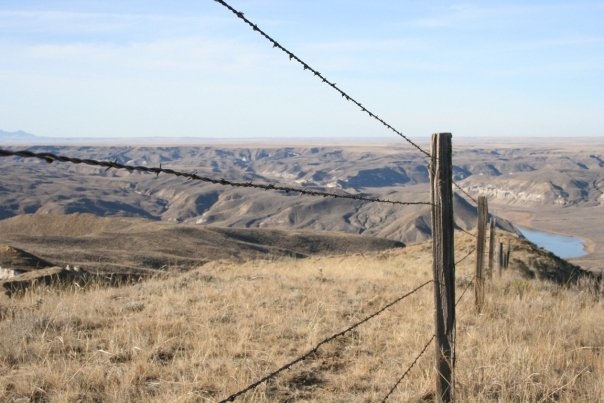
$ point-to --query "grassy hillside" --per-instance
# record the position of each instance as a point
(120, 244)
(201, 335)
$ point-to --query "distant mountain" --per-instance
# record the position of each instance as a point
(20, 134)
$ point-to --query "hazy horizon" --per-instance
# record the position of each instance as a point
(382, 141)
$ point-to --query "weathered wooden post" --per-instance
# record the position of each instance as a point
(505, 260)
(483, 212)
(491, 247)
(443, 264)
(507, 256)
(501, 258)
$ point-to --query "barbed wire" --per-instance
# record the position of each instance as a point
(459, 228)
(465, 290)
(344, 95)
(314, 350)
(465, 192)
(465, 257)
(49, 157)
(408, 369)
(320, 76)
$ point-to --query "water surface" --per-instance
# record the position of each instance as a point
(563, 246)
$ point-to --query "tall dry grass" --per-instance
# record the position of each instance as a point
(201, 335)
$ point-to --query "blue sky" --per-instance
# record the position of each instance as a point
(191, 68)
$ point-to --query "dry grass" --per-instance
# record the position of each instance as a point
(201, 335)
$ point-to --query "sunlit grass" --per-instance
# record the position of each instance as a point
(204, 334)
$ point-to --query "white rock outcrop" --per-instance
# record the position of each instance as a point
(5, 274)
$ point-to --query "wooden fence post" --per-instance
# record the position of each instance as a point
(491, 247)
(483, 212)
(443, 264)
(507, 256)
(505, 260)
(501, 258)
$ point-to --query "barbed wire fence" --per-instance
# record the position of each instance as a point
(442, 216)
(438, 205)
(51, 157)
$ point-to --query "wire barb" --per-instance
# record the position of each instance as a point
(318, 345)
(193, 176)
(291, 55)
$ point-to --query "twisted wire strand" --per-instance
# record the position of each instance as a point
(459, 228)
(314, 350)
(466, 256)
(465, 290)
(408, 369)
(320, 76)
(49, 157)
(462, 190)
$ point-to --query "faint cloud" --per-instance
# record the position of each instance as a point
(174, 56)
(472, 15)
(80, 22)
(560, 42)
(467, 15)
(560, 70)
(365, 45)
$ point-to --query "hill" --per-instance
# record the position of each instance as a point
(124, 244)
(20, 259)
(203, 334)
(555, 187)
(16, 135)
(374, 171)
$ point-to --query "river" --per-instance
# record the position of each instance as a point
(563, 246)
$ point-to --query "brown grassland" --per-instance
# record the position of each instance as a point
(203, 334)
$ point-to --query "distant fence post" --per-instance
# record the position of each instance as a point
(507, 256)
(501, 258)
(443, 264)
(491, 247)
(483, 212)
